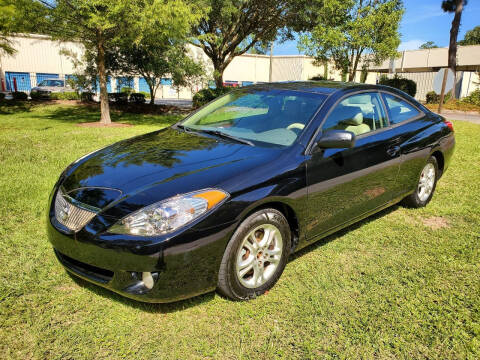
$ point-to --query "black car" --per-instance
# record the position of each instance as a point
(221, 199)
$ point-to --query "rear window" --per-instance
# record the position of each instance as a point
(399, 110)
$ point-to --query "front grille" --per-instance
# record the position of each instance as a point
(72, 216)
(81, 268)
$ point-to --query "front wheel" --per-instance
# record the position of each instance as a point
(255, 256)
(425, 187)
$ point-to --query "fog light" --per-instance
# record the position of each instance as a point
(147, 279)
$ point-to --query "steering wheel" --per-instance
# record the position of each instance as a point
(296, 126)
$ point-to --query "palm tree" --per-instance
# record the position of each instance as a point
(454, 6)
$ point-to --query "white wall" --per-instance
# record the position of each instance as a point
(39, 54)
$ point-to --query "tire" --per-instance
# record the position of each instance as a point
(418, 198)
(237, 279)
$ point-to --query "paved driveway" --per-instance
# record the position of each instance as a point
(458, 115)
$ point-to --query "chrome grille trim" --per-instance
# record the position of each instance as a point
(69, 215)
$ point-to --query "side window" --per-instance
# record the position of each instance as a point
(360, 114)
(399, 110)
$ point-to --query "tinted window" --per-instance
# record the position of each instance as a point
(267, 116)
(58, 83)
(360, 114)
(399, 110)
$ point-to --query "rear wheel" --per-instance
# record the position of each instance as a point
(425, 187)
(255, 256)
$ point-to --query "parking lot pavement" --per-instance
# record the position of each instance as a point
(182, 103)
(463, 116)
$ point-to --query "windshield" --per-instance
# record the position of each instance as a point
(58, 83)
(275, 117)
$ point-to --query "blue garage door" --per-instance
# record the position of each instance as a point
(168, 82)
(124, 82)
(70, 77)
(142, 85)
(44, 76)
(109, 85)
(22, 79)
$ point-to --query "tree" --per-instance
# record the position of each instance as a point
(428, 45)
(348, 31)
(7, 14)
(472, 37)
(233, 27)
(155, 60)
(15, 17)
(100, 25)
(455, 6)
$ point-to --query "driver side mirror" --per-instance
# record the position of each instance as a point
(336, 139)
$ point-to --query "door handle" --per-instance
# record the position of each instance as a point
(393, 151)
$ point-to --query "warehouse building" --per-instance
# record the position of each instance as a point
(38, 58)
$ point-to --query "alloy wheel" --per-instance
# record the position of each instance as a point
(259, 255)
(427, 182)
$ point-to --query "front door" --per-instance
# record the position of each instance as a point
(344, 184)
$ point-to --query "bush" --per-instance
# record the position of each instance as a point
(127, 90)
(35, 95)
(65, 96)
(86, 96)
(318, 78)
(19, 95)
(406, 85)
(120, 98)
(204, 96)
(144, 93)
(473, 98)
(137, 98)
(434, 98)
(2, 96)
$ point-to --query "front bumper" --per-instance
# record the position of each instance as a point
(182, 266)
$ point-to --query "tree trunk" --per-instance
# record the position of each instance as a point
(218, 77)
(352, 74)
(102, 74)
(152, 94)
(452, 49)
(218, 69)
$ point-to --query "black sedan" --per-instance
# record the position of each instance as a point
(221, 199)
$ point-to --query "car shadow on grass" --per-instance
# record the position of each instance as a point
(161, 308)
(338, 234)
(205, 298)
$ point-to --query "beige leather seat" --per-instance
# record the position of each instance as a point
(351, 119)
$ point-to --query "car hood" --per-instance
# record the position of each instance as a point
(47, 88)
(169, 161)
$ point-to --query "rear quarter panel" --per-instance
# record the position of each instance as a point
(422, 137)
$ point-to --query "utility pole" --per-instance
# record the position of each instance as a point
(442, 94)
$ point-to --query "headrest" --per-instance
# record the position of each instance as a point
(350, 115)
(359, 99)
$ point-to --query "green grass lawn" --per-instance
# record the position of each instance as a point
(402, 284)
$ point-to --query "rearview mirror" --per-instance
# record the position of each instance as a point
(336, 139)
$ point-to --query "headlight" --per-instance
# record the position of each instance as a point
(170, 214)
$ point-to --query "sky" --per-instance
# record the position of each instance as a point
(424, 20)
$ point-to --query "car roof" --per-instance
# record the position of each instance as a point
(317, 87)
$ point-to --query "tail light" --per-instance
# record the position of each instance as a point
(449, 124)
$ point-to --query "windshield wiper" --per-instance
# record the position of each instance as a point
(225, 136)
(184, 128)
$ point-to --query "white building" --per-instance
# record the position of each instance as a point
(38, 57)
